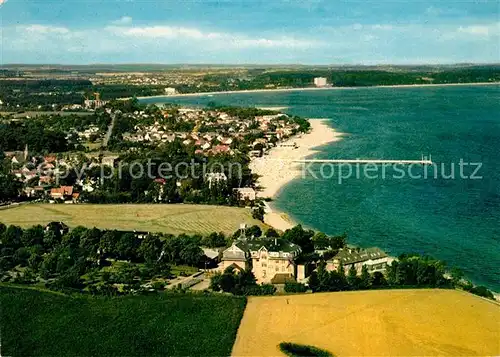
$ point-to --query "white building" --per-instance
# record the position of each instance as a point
(320, 82)
(170, 91)
(215, 178)
(374, 259)
(245, 193)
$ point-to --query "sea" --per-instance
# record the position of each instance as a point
(449, 210)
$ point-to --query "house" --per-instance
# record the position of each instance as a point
(36, 191)
(168, 137)
(57, 227)
(170, 91)
(237, 255)
(215, 178)
(374, 258)
(109, 160)
(75, 197)
(255, 153)
(50, 159)
(245, 193)
(211, 257)
(221, 149)
(320, 82)
(44, 180)
(64, 193)
(270, 259)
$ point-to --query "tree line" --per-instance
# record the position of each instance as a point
(84, 259)
(95, 261)
(300, 78)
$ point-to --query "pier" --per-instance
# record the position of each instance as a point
(423, 161)
(363, 161)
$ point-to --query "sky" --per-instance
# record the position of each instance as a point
(250, 31)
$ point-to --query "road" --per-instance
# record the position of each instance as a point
(109, 132)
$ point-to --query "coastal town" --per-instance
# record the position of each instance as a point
(204, 132)
(266, 141)
(106, 198)
(96, 140)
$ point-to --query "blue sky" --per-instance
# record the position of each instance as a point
(249, 31)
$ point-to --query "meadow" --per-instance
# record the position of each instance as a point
(372, 323)
(45, 323)
(174, 219)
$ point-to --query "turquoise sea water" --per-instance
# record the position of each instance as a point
(456, 220)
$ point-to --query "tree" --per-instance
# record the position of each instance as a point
(108, 243)
(294, 287)
(258, 213)
(239, 283)
(272, 233)
(313, 282)
(323, 278)
(127, 246)
(191, 254)
(300, 237)
(378, 280)
(12, 237)
(352, 278)
(254, 231)
(482, 291)
(33, 236)
(227, 282)
(50, 240)
(89, 241)
(456, 275)
(215, 282)
(337, 282)
(364, 282)
(338, 242)
(214, 240)
(321, 241)
(150, 248)
(73, 237)
(339, 279)
(21, 256)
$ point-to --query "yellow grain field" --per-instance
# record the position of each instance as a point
(175, 219)
(373, 323)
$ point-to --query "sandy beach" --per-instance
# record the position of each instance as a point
(276, 170)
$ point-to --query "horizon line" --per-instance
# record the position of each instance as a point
(253, 64)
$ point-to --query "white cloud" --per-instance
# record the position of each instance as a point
(475, 30)
(382, 27)
(42, 29)
(379, 43)
(273, 43)
(2, 2)
(433, 11)
(167, 32)
(217, 39)
(124, 20)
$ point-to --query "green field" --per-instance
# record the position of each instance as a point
(174, 219)
(39, 323)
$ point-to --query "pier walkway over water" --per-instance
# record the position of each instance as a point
(423, 161)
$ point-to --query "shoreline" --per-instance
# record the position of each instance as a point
(276, 171)
(277, 90)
